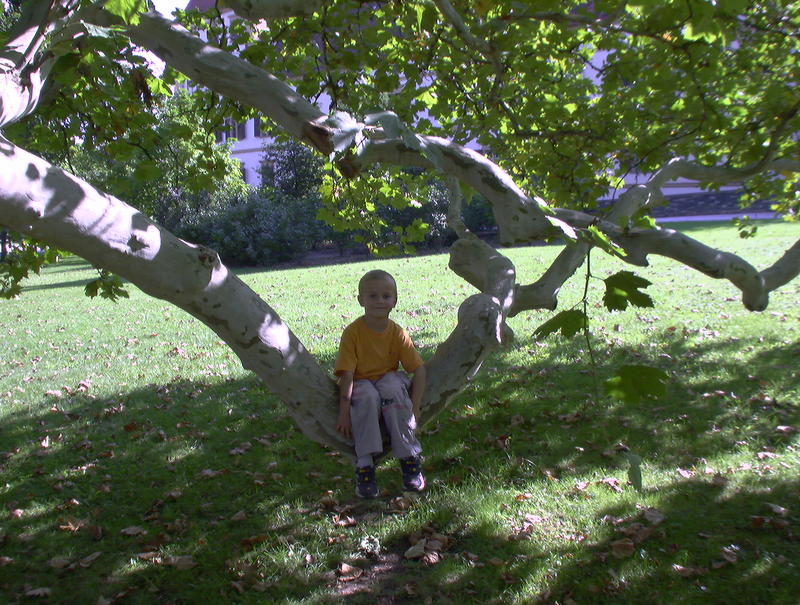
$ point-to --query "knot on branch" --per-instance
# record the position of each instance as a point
(319, 137)
(136, 243)
(208, 258)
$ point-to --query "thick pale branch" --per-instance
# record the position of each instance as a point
(22, 75)
(273, 9)
(638, 243)
(710, 261)
(42, 201)
(457, 359)
(454, 219)
(543, 293)
(229, 75)
(784, 270)
(519, 217)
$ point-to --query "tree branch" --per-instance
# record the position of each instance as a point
(273, 9)
(228, 75)
(47, 203)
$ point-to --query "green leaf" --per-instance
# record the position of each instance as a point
(147, 171)
(635, 470)
(602, 241)
(127, 10)
(635, 383)
(569, 322)
(108, 286)
(623, 288)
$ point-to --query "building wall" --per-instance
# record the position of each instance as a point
(247, 146)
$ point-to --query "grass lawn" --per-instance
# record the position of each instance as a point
(140, 464)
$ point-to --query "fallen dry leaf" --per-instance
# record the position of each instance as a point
(72, 525)
(688, 572)
(730, 553)
(416, 551)
(328, 501)
(133, 530)
(348, 573)
(623, 548)
(59, 562)
(181, 562)
(401, 504)
(88, 560)
(248, 543)
(613, 483)
(778, 510)
(344, 521)
(654, 516)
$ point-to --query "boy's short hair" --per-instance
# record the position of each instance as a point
(376, 274)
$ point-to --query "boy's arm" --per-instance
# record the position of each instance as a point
(417, 390)
(343, 424)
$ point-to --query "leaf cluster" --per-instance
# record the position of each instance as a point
(25, 256)
(570, 98)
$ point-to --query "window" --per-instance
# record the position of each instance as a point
(228, 131)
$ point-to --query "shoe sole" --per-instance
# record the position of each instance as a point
(417, 489)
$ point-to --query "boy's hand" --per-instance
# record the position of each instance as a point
(343, 424)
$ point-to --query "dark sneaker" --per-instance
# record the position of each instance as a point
(413, 480)
(366, 486)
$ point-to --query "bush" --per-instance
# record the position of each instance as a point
(478, 215)
(262, 230)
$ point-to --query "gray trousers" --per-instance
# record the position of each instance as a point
(383, 403)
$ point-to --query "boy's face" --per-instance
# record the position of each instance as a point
(378, 297)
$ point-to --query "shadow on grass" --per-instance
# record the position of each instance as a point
(217, 472)
(210, 471)
(705, 544)
(78, 283)
(721, 394)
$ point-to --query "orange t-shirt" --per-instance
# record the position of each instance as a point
(370, 355)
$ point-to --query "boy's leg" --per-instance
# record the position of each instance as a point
(398, 414)
(365, 415)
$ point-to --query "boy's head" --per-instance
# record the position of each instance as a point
(377, 289)
(376, 275)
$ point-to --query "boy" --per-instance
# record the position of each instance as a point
(371, 389)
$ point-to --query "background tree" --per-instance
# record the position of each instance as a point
(564, 99)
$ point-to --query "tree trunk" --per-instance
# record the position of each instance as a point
(61, 209)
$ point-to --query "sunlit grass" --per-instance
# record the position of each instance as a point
(118, 416)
